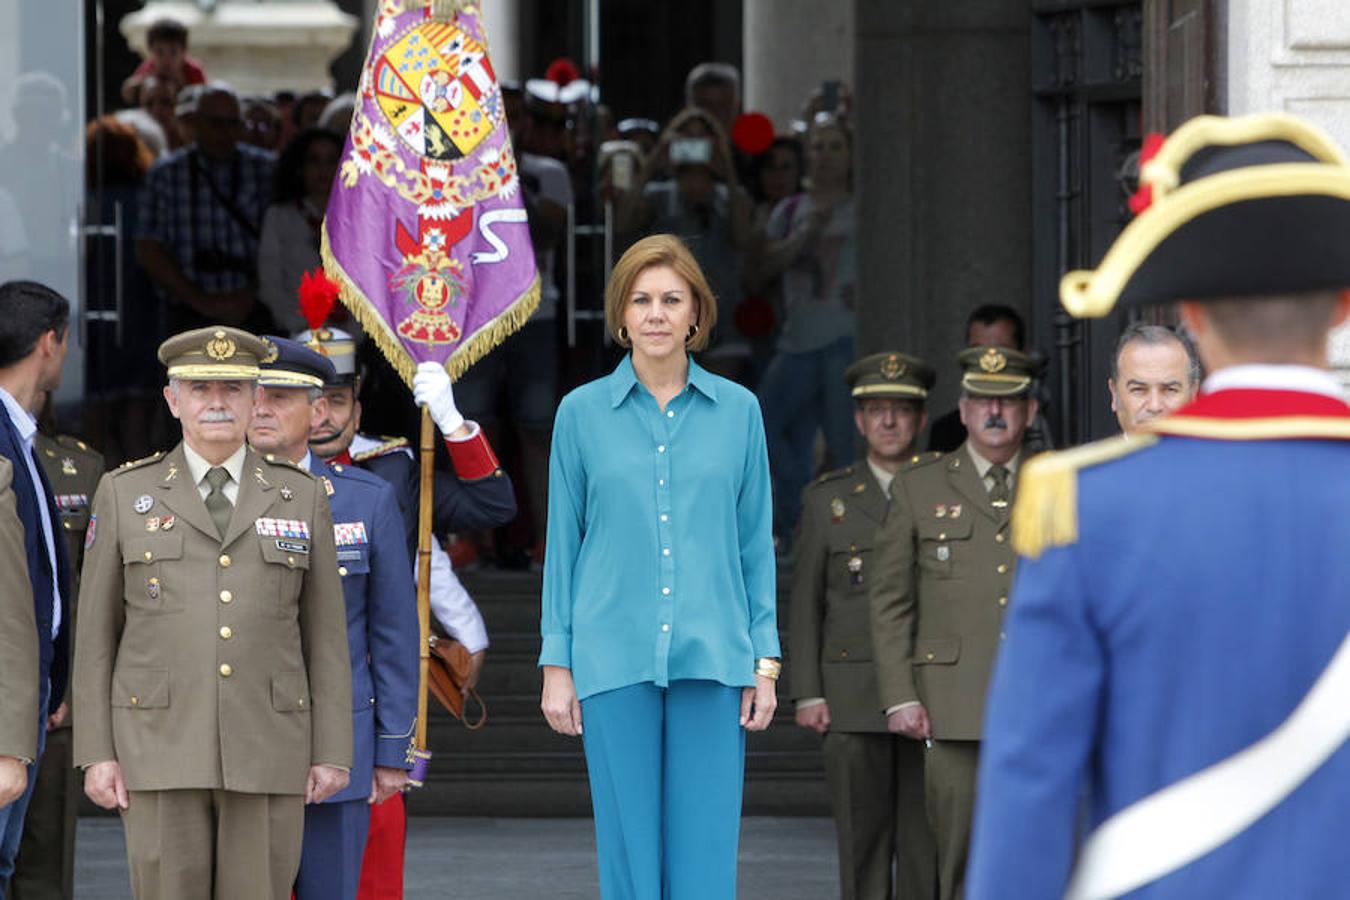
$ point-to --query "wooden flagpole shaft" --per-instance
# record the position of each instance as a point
(428, 458)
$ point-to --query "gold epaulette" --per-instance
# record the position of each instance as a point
(285, 463)
(73, 443)
(388, 445)
(1046, 512)
(137, 463)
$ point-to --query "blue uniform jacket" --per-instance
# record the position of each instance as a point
(457, 505)
(1207, 590)
(54, 655)
(382, 627)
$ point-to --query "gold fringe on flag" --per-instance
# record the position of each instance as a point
(509, 321)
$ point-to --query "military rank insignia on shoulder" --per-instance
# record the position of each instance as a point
(836, 474)
(921, 459)
(137, 463)
(1046, 512)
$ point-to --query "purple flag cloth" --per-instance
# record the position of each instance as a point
(426, 234)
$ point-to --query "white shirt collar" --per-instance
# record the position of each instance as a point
(198, 467)
(1274, 378)
(883, 477)
(305, 460)
(22, 418)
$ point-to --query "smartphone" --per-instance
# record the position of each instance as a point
(829, 94)
(691, 151)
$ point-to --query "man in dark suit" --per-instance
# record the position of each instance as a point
(33, 334)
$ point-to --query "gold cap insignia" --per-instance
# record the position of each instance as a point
(272, 352)
(892, 368)
(220, 347)
(993, 361)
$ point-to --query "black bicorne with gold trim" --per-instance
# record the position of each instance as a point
(1240, 207)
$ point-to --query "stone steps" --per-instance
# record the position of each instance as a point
(517, 766)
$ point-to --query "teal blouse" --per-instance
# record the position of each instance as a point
(659, 564)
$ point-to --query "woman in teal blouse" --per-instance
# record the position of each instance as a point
(659, 621)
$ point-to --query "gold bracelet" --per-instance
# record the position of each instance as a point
(768, 667)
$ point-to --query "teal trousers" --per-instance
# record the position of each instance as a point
(666, 767)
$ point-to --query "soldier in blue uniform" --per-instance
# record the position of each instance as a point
(478, 495)
(1177, 648)
(382, 628)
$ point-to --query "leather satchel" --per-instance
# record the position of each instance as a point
(447, 673)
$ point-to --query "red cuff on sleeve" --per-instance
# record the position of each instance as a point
(473, 458)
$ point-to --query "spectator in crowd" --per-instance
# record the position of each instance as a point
(715, 88)
(810, 245)
(167, 41)
(776, 175)
(262, 124)
(520, 378)
(643, 132)
(289, 246)
(1155, 372)
(337, 115)
(122, 371)
(309, 109)
(34, 169)
(690, 189)
(158, 98)
(200, 220)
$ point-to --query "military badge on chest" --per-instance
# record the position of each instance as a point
(855, 570)
(836, 510)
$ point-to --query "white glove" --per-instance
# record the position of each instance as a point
(432, 389)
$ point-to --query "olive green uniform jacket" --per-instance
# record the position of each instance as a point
(943, 572)
(202, 663)
(18, 632)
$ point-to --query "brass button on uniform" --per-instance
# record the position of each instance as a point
(65, 525)
(135, 701)
(931, 657)
(300, 702)
(224, 560)
(290, 560)
(226, 670)
(342, 570)
(149, 556)
(942, 536)
(226, 597)
(226, 632)
(843, 654)
(1003, 568)
(999, 538)
(1002, 601)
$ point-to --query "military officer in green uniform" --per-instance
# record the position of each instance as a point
(18, 649)
(45, 869)
(875, 777)
(943, 571)
(213, 685)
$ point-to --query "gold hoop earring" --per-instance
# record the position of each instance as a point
(623, 334)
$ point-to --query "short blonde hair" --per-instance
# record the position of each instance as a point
(659, 250)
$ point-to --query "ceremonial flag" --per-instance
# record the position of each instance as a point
(426, 233)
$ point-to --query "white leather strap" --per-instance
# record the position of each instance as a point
(1186, 820)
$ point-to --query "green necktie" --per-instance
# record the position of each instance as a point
(998, 494)
(217, 504)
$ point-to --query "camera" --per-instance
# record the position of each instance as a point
(691, 151)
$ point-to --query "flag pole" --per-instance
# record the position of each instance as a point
(424, 538)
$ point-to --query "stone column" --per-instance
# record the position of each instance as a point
(943, 162)
(258, 47)
(790, 47)
(1294, 57)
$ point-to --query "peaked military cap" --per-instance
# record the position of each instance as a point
(291, 364)
(214, 353)
(989, 371)
(1237, 207)
(890, 375)
(338, 347)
